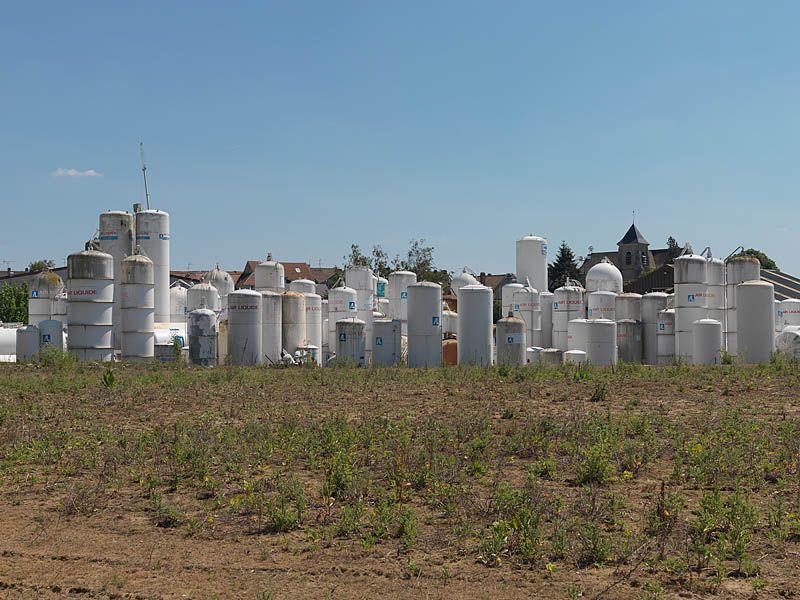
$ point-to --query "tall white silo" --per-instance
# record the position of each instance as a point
(178, 303)
(715, 289)
(270, 276)
(293, 324)
(44, 290)
(137, 305)
(690, 301)
(665, 337)
(532, 261)
(397, 294)
(342, 304)
(475, 311)
(314, 322)
(652, 304)
(362, 280)
(526, 306)
(567, 305)
(545, 337)
(424, 325)
(755, 321)
(738, 269)
(507, 298)
(244, 327)
(116, 237)
(152, 237)
(201, 326)
(271, 324)
(90, 294)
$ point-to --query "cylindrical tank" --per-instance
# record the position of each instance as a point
(778, 317)
(707, 342)
(350, 342)
(153, 239)
(43, 291)
(397, 294)
(362, 280)
(461, 280)
(27, 343)
(137, 284)
(202, 333)
(178, 303)
(532, 355)
(270, 276)
(604, 277)
(425, 325)
(665, 337)
(116, 238)
(8, 342)
(90, 293)
(449, 323)
(202, 295)
(271, 326)
(475, 313)
(787, 343)
(51, 333)
(789, 313)
(342, 303)
(715, 289)
(507, 297)
(652, 304)
(244, 327)
(575, 357)
(755, 316)
(690, 301)
(629, 341)
(526, 307)
(314, 320)
(382, 306)
(577, 335)
(511, 341)
(304, 286)
(551, 357)
(223, 282)
(532, 261)
(450, 352)
(601, 342)
(545, 336)
(386, 347)
(602, 305)
(567, 305)
(293, 329)
(738, 269)
(628, 306)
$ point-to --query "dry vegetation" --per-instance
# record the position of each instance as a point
(151, 482)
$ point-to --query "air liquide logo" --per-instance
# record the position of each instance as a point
(163, 236)
(435, 321)
(83, 292)
(351, 305)
(403, 295)
(690, 297)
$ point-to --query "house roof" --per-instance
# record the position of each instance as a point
(786, 286)
(291, 272)
(633, 236)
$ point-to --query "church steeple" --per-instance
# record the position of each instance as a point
(634, 256)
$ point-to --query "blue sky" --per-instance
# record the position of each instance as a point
(302, 127)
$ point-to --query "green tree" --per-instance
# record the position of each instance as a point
(357, 258)
(564, 267)
(674, 248)
(14, 303)
(419, 259)
(766, 261)
(380, 262)
(41, 265)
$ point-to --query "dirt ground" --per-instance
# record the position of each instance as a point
(102, 493)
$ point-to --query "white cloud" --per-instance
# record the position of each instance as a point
(75, 173)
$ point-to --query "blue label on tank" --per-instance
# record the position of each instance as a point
(590, 312)
(555, 305)
(342, 337)
(516, 307)
(379, 341)
(435, 321)
(142, 237)
(510, 339)
(104, 238)
(46, 338)
(661, 327)
(351, 305)
(544, 249)
(34, 293)
(381, 289)
(163, 236)
(690, 297)
(403, 295)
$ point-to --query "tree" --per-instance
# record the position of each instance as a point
(41, 265)
(14, 303)
(564, 267)
(380, 262)
(766, 261)
(419, 259)
(674, 248)
(356, 258)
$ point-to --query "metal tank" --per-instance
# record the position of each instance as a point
(789, 313)
(386, 346)
(527, 307)
(707, 342)
(51, 333)
(567, 305)
(362, 280)
(293, 327)
(511, 341)
(690, 301)
(652, 304)
(202, 333)
(628, 306)
(153, 238)
(629, 341)
(116, 237)
(715, 289)
(577, 334)
(545, 336)
(449, 323)
(382, 307)
(475, 312)
(342, 304)
(90, 294)
(223, 282)
(397, 294)
(532, 261)
(665, 337)
(27, 345)
(424, 325)
(270, 276)
(461, 280)
(271, 326)
(137, 292)
(8, 342)
(575, 357)
(551, 357)
(350, 342)
(202, 295)
(178, 303)
(532, 354)
(43, 291)
(738, 269)
(601, 342)
(314, 322)
(304, 286)
(602, 305)
(604, 277)
(788, 342)
(244, 327)
(755, 315)
(507, 298)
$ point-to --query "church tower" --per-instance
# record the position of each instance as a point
(634, 255)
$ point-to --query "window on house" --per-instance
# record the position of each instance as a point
(644, 259)
(628, 258)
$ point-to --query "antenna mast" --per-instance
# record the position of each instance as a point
(144, 175)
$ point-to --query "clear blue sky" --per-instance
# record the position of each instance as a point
(300, 127)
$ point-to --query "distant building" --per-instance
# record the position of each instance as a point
(292, 271)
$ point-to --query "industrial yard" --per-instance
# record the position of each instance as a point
(134, 481)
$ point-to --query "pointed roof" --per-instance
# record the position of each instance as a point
(634, 236)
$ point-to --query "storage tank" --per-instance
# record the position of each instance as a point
(755, 316)
(27, 343)
(545, 336)
(507, 298)
(8, 342)
(202, 295)
(178, 303)
(90, 294)
(449, 323)
(43, 290)
(137, 285)
(269, 276)
(342, 303)
(350, 342)
(450, 352)
(244, 327)
(628, 306)
(397, 294)
(629, 341)
(602, 305)
(604, 277)
(532, 261)
(665, 338)
(652, 304)
(293, 328)
(690, 301)
(461, 280)
(387, 343)
(551, 357)
(116, 238)
(271, 326)
(778, 318)
(601, 342)
(362, 280)
(788, 342)
(567, 305)
(789, 313)
(715, 289)
(511, 341)
(202, 333)
(304, 286)
(738, 269)
(707, 342)
(153, 239)
(475, 312)
(382, 307)
(532, 355)
(51, 333)
(425, 325)
(223, 282)
(577, 335)
(314, 321)
(527, 308)
(575, 357)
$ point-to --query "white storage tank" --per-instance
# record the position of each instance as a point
(424, 325)
(475, 321)
(342, 304)
(788, 342)
(690, 301)
(137, 285)
(350, 342)
(202, 295)
(27, 344)
(527, 308)
(532, 355)
(511, 341)
(362, 280)
(90, 293)
(293, 329)
(601, 342)
(551, 357)
(715, 289)
(271, 326)
(202, 333)
(507, 298)
(629, 341)
(383, 307)
(387, 350)
(51, 333)
(304, 286)
(178, 303)
(545, 336)
(602, 305)
(652, 304)
(8, 342)
(270, 276)
(43, 291)
(778, 317)
(532, 261)
(244, 327)
(397, 294)
(115, 237)
(707, 342)
(628, 306)
(755, 316)
(738, 269)
(604, 277)
(449, 323)
(567, 305)
(789, 313)
(152, 237)
(461, 280)
(223, 282)
(575, 357)
(314, 321)
(577, 335)
(665, 338)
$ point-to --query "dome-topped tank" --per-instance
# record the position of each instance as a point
(202, 295)
(270, 276)
(604, 277)
(461, 280)
(222, 281)
(43, 290)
